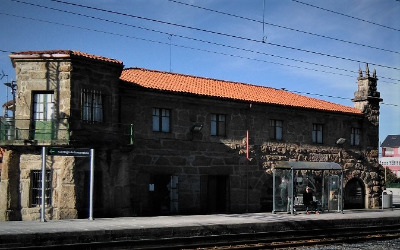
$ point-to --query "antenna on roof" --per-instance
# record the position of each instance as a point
(3, 75)
(170, 52)
(264, 37)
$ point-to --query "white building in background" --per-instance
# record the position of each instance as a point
(391, 154)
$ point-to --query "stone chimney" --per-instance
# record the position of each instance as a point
(367, 98)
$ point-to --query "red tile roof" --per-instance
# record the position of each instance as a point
(60, 54)
(166, 81)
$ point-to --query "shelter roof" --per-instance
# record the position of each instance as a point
(305, 165)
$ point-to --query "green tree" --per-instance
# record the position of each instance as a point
(391, 178)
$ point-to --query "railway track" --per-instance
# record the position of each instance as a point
(261, 240)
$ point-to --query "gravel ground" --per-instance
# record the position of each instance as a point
(370, 245)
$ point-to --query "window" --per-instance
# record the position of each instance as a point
(36, 188)
(43, 106)
(217, 124)
(317, 133)
(389, 151)
(355, 136)
(43, 115)
(92, 106)
(276, 126)
(161, 120)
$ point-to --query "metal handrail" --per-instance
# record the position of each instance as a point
(17, 130)
(27, 129)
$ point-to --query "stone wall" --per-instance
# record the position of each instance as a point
(203, 164)
(192, 155)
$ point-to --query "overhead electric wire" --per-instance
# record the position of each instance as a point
(284, 27)
(196, 39)
(187, 47)
(201, 40)
(175, 45)
(217, 33)
(205, 41)
(337, 97)
(352, 17)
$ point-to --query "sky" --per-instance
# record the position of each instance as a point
(310, 47)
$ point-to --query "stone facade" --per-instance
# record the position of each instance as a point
(142, 172)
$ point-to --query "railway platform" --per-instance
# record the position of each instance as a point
(78, 232)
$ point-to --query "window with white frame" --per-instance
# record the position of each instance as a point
(161, 120)
(43, 106)
(92, 106)
(43, 115)
(277, 130)
(218, 124)
(355, 136)
(389, 151)
(317, 133)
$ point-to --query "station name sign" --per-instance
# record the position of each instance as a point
(82, 152)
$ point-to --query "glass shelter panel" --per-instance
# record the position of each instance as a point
(323, 179)
(283, 190)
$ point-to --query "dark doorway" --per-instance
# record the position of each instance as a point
(163, 194)
(354, 194)
(216, 189)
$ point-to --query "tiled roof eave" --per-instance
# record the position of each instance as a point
(62, 54)
(248, 101)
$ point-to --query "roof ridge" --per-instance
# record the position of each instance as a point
(206, 78)
(153, 79)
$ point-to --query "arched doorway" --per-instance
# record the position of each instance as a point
(354, 194)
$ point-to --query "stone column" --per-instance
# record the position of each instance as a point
(9, 187)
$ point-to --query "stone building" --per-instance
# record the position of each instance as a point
(169, 143)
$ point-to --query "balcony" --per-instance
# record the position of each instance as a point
(25, 132)
(15, 132)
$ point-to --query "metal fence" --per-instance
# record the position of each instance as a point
(26, 129)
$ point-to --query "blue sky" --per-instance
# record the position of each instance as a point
(306, 46)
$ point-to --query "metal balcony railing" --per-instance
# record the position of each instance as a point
(17, 130)
(56, 131)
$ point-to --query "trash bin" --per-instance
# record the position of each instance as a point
(387, 199)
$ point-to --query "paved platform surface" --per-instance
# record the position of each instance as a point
(66, 231)
(28, 227)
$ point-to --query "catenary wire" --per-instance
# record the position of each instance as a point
(187, 47)
(217, 33)
(337, 97)
(228, 46)
(284, 27)
(352, 17)
(201, 40)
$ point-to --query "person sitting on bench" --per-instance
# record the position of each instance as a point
(308, 201)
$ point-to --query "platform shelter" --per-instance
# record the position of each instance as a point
(291, 178)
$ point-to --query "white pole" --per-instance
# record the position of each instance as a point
(91, 184)
(42, 209)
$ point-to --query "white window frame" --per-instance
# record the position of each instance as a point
(43, 106)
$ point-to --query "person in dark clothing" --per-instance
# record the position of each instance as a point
(309, 202)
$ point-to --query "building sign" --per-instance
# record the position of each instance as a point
(82, 152)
